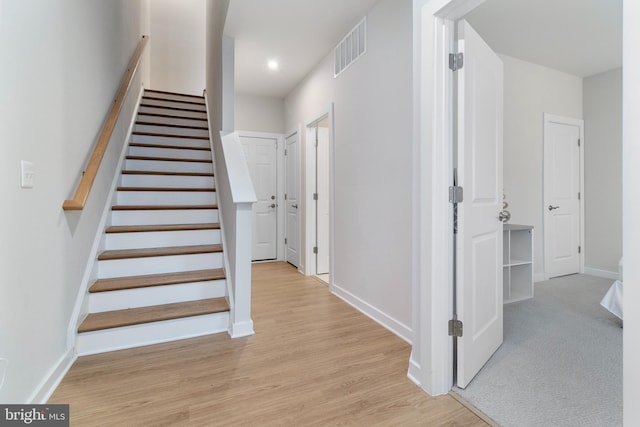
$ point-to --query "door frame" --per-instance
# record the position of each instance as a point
(547, 118)
(431, 361)
(309, 187)
(280, 216)
(296, 131)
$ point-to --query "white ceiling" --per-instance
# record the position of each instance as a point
(297, 33)
(580, 37)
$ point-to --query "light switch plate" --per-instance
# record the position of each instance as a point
(26, 174)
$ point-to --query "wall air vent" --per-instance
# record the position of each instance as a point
(350, 48)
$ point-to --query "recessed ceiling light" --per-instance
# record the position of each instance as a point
(273, 64)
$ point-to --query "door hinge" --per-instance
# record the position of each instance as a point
(285, 196)
(285, 240)
(579, 249)
(455, 194)
(455, 328)
(456, 61)
(285, 151)
(579, 195)
(578, 142)
(315, 196)
(315, 249)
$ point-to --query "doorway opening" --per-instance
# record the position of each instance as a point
(319, 196)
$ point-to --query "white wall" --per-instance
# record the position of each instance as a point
(631, 209)
(373, 164)
(178, 45)
(62, 65)
(529, 91)
(259, 113)
(603, 170)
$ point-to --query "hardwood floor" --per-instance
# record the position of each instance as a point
(314, 361)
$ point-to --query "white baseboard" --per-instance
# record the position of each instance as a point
(401, 330)
(539, 277)
(414, 372)
(241, 329)
(612, 275)
(51, 381)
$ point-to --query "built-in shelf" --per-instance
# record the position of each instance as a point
(517, 261)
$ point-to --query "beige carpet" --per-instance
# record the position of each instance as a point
(560, 363)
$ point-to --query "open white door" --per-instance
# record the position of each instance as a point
(322, 202)
(292, 227)
(479, 240)
(262, 161)
(562, 145)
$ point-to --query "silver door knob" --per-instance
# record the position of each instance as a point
(294, 206)
(552, 207)
(273, 205)
(504, 216)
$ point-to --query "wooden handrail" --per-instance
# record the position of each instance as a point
(89, 174)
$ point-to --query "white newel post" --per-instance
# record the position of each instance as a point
(241, 323)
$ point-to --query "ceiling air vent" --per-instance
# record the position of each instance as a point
(350, 48)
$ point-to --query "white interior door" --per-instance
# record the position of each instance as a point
(479, 240)
(322, 203)
(562, 138)
(262, 161)
(292, 191)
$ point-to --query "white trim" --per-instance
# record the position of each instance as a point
(81, 304)
(547, 118)
(50, 382)
(538, 277)
(388, 322)
(309, 267)
(414, 372)
(605, 274)
(241, 329)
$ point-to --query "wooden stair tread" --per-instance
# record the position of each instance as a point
(182, 101)
(161, 207)
(168, 159)
(114, 229)
(186, 189)
(170, 125)
(171, 116)
(157, 252)
(191, 110)
(167, 146)
(136, 316)
(170, 135)
(149, 280)
(186, 95)
(170, 173)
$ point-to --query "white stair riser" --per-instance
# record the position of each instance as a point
(171, 130)
(168, 166)
(155, 295)
(174, 104)
(151, 198)
(171, 120)
(174, 97)
(157, 265)
(168, 140)
(177, 216)
(151, 333)
(167, 181)
(161, 239)
(180, 113)
(170, 153)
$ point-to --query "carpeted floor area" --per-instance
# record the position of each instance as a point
(560, 363)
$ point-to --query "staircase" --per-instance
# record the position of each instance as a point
(160, 276)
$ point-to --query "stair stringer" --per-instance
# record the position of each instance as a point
(81, 306)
